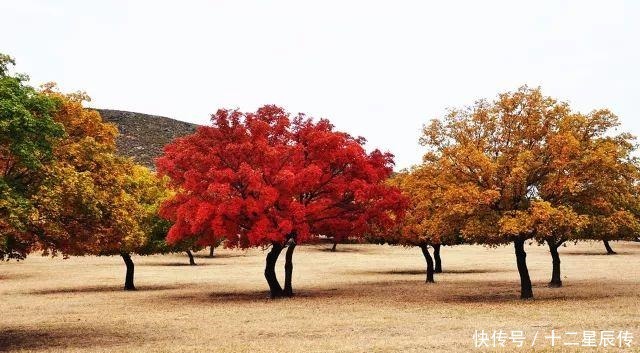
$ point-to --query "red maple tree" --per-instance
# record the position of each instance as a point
(265, 179)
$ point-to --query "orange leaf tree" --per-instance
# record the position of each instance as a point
(94, 202)
(265, 179)
(591, 192)
(511, 164)
(429, 221)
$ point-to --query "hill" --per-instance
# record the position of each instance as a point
(143, 136)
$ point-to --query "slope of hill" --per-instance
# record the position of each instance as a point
(143, 136)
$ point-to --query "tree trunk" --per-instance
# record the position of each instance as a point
(436, 256)
(427, 256)
(192, 262)
(335, 245)
(608, 247)
(288, 269)
(128, 282)
(526, 291)
(556, 282)
(275, 290)
(212, 251)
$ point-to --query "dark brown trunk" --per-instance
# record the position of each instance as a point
(427, 256)
(526, 291)
(212, 251)
(288, 269)
(608, 247)
(436, 256)
(335, 245)
(275, 290)
(192, 262)
(556, 282)
(128, 282)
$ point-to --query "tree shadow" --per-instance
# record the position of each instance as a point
(102, 289)
(21, 339)
(177, 264)
(482, 298)
(14, 276)
(225, 255)
(345, 248)
(415, 291)
(400, 272)
(589, 253)
(248, 296)
(209, 297)
(423, 271)
(472, 270)
(495, 292)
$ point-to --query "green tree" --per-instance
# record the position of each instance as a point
(27, 134)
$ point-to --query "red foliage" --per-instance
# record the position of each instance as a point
(254, 178)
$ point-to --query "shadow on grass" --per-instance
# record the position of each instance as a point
(451, 289)
(250, 296)
(499, 291)
(225, 255)
(345, 249)
(461, 271)
(417, 292)
(491, 292)
(398, 272)
(208, 297)
(483, 298)
(342, 250)
(589, 253)
(28, 339)
(179, 264)
(423, 271)
(14, 276)
(102, 289)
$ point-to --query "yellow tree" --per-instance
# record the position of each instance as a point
(591, 190)
(428, 220)
(556, 225)
(498, 156)
(94, 202)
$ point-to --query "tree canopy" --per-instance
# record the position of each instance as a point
(526, 166)
(64, 190)
(27, 134)
(264, 178)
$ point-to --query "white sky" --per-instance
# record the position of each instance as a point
(375, 69)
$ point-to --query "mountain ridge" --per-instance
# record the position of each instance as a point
(143, 136)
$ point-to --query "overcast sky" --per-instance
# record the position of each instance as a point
(378, 69)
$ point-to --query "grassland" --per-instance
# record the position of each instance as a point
(363, 298)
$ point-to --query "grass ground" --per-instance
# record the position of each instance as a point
(363, 298)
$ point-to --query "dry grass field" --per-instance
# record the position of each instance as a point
(364, 298)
